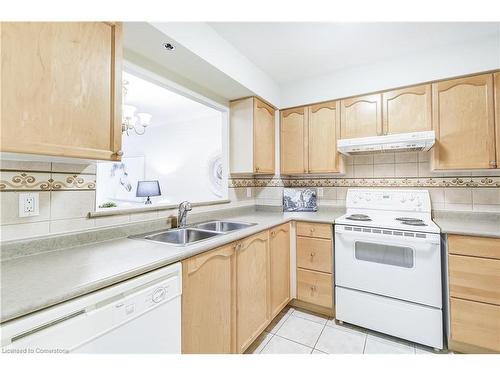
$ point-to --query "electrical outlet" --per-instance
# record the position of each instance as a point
(320, 192)
(28, 204)
(249, 192)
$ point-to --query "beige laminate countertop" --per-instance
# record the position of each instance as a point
(34, 282)
(469, 224)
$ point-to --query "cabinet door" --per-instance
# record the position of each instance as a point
(407, 110)
(324, 128)
(463, 118)
(279, 246)
(208, 302)
(252, 288)
(61, 88)
(361, 116)
(293, 142)
(497, 116)
(263, 137)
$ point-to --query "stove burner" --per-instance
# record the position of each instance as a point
(406, 219)
(359, 217)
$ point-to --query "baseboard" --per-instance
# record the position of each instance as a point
(313, 308)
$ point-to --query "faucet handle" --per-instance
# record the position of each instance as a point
(186, 205)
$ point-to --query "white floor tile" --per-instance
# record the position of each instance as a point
(300, 330)
(280, 345)
(259, 343)
(277, 322)
(379, 345)
(335, 340)
(345, 326)
(310, 316)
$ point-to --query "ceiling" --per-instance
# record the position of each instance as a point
(165, 106)
(295, 51)
(193, 72)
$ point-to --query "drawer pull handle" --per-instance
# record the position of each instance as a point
(311, 229)
(313, 254)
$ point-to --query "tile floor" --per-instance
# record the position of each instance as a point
(296, 331)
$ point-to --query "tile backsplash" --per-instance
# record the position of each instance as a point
(67, 191)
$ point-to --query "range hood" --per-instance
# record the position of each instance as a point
(418, 141)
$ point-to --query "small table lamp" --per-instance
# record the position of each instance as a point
(148, 189)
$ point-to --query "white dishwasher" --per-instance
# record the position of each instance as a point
(141, 315)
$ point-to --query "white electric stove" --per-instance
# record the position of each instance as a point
(388, 265)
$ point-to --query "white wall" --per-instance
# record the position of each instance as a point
(455, 60)
(177, 155)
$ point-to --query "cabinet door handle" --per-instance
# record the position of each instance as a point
(313, 288)
(493, 163)
(273, 233)
(312, 254)
(119, 153)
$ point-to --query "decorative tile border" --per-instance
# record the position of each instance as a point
(35, 181)
(427, 182)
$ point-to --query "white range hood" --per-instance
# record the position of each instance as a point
(419, 141)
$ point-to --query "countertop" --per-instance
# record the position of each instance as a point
(468, 223)
(34, 282)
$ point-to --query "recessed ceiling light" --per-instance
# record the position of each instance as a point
(168, 46)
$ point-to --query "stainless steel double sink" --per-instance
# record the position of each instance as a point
(195, 233)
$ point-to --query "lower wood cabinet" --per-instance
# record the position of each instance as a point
(474, 285)
(279, 247)
(208, 302)
(315, 266)
(252, 289)
(475, 324)
(314, 287)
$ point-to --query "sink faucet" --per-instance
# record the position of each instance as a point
(184, 207)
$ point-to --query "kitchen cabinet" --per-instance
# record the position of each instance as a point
(293, 133)
(61, 89)
(463, 120)
(252, 137)
(474, 289)
(314, 267)
(279, 247)
(208, 302)
(323, 132)
(496, 79)
(407, 110)
(361, 116)
(309, 139)
(252, 288)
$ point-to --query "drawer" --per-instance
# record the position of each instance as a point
(314, 254)
(314, 287)
(475, 323)
(476, 279)
(314, 230)
(485, 247)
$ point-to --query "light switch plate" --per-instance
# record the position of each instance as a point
(28, 204)
(249, 192)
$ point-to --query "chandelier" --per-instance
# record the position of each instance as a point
(132, 121)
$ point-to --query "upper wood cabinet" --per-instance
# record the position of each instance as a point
(323, 130)
(279, 248)
(463, 119)
(208, 302)
(496, 79)
(252, 288)
(407, 110)
(361, 116)
(293, 130)
(309, 139)
(61, 89)
(252, 138)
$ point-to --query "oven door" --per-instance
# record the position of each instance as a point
(390, 263)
